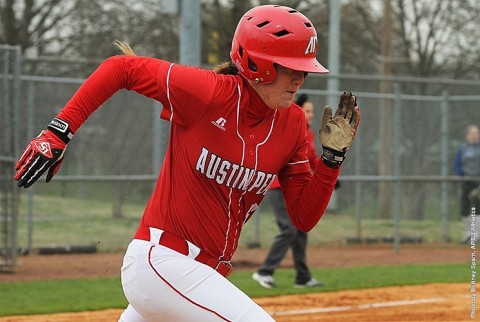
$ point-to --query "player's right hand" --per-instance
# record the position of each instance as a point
(337, 131)
(45, 152)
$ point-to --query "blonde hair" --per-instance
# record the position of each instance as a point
(124, 47)
(227, 68)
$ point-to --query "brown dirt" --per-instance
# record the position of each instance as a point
(433, 302)
(445, 302)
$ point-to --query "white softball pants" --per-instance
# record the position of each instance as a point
(161, 284)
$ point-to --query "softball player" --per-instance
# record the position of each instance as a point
(230, 137)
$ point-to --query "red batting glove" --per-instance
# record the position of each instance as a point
(45, 152)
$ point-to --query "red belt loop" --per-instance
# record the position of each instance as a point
(181, 246)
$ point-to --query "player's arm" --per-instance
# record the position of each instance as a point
(115, 73)
(46, 151)
(307, 195)
(312, 152)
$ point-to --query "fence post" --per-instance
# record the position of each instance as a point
(10, 64)
(358, 187)
(16, 86)
(30, 118)
(444, 150)
(397, 170)
(334, 51)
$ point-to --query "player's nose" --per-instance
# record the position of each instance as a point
(298, 78)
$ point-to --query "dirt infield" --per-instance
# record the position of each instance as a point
(432, 302)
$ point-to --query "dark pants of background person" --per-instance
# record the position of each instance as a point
(288, 236)
(466, 205)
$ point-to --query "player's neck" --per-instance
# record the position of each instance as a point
(257, 110)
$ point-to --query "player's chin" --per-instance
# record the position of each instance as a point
(280, 107)
(283, 103)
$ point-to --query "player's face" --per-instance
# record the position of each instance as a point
(308, 109)
(280, 92)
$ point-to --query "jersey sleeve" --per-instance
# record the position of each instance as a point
(299, 162)
(189, 91)
(184, 91)
(118, 72)
(312, 152)
(307, 195)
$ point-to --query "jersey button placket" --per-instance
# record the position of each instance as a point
(251, 145)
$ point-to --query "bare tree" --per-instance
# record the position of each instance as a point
(435, 38)
(428, 39)
(219, 21)
(438, 37)
(73, 36)
(86, 38)
(28, 23)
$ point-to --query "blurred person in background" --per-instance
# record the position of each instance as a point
(289, 236)
(467, 164)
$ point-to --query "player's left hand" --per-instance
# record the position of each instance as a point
(337, 131)
(45, 152)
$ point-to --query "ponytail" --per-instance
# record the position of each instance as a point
(124, 48)
(227, 68)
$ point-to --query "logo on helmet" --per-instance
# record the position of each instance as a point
(239, 66)
(311, 45)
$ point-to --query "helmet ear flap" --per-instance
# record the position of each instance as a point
(251, 65)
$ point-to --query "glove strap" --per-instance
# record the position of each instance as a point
(333, 158)
(61, 129)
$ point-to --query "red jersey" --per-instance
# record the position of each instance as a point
(225, 149)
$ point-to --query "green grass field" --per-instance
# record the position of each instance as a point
(42, 297)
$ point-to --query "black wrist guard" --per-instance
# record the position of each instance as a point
(333, 158)
(61, 129)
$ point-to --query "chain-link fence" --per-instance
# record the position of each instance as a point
(9, 96)
(424, 126)
(114, 159)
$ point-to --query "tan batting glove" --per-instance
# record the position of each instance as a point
(337, 132)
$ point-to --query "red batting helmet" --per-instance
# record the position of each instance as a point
(271, 34)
